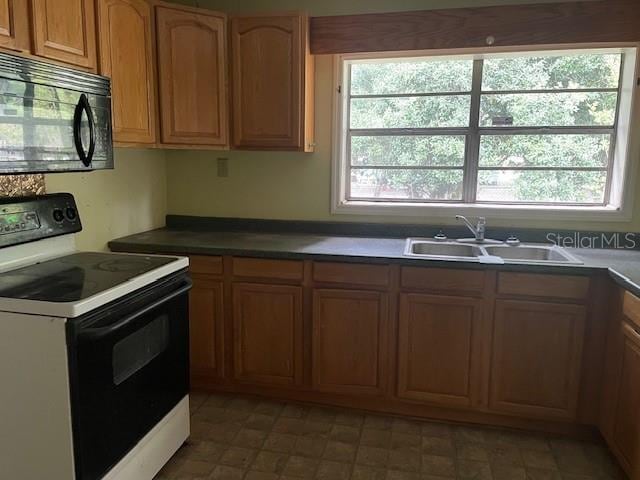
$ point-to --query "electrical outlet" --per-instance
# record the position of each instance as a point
(223, 167)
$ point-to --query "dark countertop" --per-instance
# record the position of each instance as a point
(623, 265)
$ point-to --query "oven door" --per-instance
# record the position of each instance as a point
(129, 366)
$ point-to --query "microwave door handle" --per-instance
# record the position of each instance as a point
(77, 126)
(92, 131)
(83, 106)
(102, 332)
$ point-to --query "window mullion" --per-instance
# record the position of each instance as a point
(473, 139)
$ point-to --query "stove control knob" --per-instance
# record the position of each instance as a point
(58, 215)
(71, 213)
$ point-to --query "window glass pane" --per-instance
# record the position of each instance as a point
(541, 186)
(406, 184)
(557, 72)
(411, 76)
(426, 151)
(548, 109)
(412, 112)
(587, 150)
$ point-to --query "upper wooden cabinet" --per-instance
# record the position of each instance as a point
(349, 341)
(65, 30)
(192, 73)
(537, 356)
(440, 342)
(14, 25)
(126, 55)
(272, 83)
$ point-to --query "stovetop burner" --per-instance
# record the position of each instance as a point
(124, 265)
(75, 277)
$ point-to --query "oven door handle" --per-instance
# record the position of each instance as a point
(101, 332)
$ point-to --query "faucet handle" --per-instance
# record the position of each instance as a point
(512, 240)
(441, 236)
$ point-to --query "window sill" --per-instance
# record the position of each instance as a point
(541, 212)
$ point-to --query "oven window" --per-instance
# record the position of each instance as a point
(134, 352)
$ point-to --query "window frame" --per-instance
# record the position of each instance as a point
(620, 171)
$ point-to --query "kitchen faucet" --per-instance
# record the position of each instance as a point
(478, 230)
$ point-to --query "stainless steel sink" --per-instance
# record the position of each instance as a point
(531, 253)
(487, 253)
(426, 248)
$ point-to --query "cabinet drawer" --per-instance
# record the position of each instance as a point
(205, 265)
(269, 269)
(345, 273)
(631, 308)
(538, 285)
(443, 280)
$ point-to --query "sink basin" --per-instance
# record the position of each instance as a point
(531, 254)
(441, 250)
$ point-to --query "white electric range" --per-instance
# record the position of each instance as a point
(94, 361)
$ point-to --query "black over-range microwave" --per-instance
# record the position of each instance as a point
(52, 119)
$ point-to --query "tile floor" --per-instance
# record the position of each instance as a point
(237, 437)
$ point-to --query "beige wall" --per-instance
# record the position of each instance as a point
(140, 191)
(113, 203)
(297, 186)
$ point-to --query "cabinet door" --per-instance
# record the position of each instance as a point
(14, 25)
(126, 55)
(267, 333)
(192, 73)
(537, 350)
(440, 342)
(349, 341)
(268, 69)
(65, 30)
(612, 368)
(626, 426)
(206, 330)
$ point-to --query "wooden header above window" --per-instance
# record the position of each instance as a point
(599, 21)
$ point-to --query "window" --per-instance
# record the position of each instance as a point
(536, 129)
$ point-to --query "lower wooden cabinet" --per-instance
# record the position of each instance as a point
(440, 349)
(625, 433)
(206, 330)
(537, 352)
(349, 341)
(267, 333)
(395, 340)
